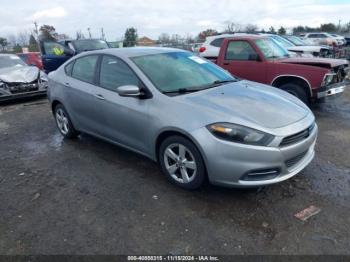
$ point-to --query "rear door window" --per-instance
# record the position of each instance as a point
(84, 68)
(68, 68)
(217, 42)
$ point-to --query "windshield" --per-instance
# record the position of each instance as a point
(282, 42)
(271, 49)
(10, 60)
(88, 45)
(176, 71)
(296, 40)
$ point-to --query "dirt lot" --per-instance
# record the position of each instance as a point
(90, 197)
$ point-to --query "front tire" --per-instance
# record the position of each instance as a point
(63, 122)
(182, 162)
(298, 91)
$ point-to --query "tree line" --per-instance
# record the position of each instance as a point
(30, 39)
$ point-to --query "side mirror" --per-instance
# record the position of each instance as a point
(129, 91)
(254, 57)
(69, 52)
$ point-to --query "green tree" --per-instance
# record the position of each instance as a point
(130, 37)
(3, 43)
(209, 32)
(250, 28)
(48, 32)
(330, 27)
(33, 46)
(17, 48)
(282, 31)
(272, 30)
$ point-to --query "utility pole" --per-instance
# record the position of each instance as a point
(102, 34)
(36, 31)
(89, 32)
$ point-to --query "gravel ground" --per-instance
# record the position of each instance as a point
(89, 197)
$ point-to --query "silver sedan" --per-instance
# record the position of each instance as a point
(192, 117)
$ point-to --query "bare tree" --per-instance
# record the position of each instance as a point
(250, 28)
(80, 35)
(23, 38)
(12, 39)
(164, 38)
(232, 27)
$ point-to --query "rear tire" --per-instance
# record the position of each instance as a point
(298, 91)
(182, 163)
(63, 122)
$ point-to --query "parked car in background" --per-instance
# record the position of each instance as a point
(291, 48)
(305, 47)
(83, 45)
(339, 38)
(32, 58)
(56, 53)
(195, 47)
(202, 123)
(258, 58)
(323, 39)
(18, 80)
(347, 39)
(211, 47)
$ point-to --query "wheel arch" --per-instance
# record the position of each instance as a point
(54, 103)
(164, 134)
(284, 79)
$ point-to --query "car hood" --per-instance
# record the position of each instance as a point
(321, 62)
(19, 74)
(248, 103)
(306, 48)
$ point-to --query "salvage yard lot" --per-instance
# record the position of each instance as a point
(89, 197)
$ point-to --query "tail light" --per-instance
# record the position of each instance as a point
(202, 49)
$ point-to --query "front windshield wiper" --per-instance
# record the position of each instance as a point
(219, 82)
(192, 90)
(181, 91)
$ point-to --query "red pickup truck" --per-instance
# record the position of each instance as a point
(259, 59)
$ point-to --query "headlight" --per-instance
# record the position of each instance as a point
(43, 77)
(240, 134)
(328, 79)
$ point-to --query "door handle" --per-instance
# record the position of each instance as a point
(67, 84)
(226, 63)
(99, 96)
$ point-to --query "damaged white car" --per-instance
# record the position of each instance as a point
(18, 80)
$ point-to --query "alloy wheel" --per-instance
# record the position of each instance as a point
(180, 163)
(62, 121)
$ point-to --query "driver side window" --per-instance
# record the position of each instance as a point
(115, 73)
(239, 50)
(54, 48)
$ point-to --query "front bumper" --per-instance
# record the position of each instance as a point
(334, 89)
(11, 97)
(229, 163)
(8, 95)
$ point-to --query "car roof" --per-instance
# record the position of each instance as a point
(133, 51)
(249, 36)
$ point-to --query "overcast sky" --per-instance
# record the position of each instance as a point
(152, 17)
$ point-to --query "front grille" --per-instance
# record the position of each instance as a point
(295, 160)
(293, 139)
(23, 87)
